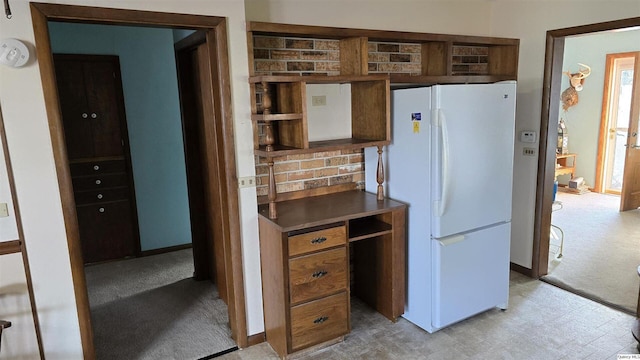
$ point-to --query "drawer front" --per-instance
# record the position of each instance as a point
(97, 167)
(318, 321)
(106, 231)
(317, 240)
(316, 275)
(98, 196)
(99, 181)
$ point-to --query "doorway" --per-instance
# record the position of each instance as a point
(548, 133)
(218, 85)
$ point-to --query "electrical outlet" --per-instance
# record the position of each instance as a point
(247, 181)
(320, 100)
(529, 151)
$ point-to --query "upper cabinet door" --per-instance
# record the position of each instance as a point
(90, 92)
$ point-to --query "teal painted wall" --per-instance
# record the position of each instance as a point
(150, 87)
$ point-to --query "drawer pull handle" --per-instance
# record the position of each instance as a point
(99, 196)
(319, 274)
(96, 167)
(101, 210)
(84, 115)
(94, 115)
(319, 240)
(320, 320)
(98, 182)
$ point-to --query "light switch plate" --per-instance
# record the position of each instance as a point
(4, 210)
(528, 136)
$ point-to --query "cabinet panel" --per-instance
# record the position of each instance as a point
(318, 321)
(104, 112)
(97, 167)
(101, 195)
(100, 181)
(73, 105)
(90, 100)
(316, 275)
(106, 231)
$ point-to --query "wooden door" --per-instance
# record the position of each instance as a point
(92, 107)
(630, 195)
(202, 159)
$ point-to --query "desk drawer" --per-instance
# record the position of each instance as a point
(317, 275)
(318, 321)
(317, 240)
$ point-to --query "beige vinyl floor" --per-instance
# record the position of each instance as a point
(542, 322)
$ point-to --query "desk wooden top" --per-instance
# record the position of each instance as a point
(325, 209)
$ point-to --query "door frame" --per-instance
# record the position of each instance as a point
(216, 28)
(548, 133)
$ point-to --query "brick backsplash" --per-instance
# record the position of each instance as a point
(303, 56)
(309, 171)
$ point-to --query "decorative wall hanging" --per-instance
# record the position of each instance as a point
(576, 80)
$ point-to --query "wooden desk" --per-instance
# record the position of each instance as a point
(566, 164)
(320, 251)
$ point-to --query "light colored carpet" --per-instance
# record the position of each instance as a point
(601, 250)
(151, 308)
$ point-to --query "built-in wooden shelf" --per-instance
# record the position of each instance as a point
(367, 227)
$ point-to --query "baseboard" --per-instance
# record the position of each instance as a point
(522, 270)
(256, 339)
(165, 250)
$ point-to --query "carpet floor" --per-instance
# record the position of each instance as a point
(601, 250)
(151, 308)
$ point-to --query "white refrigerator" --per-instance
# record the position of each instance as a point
(451, 161)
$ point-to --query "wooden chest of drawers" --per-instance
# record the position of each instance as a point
(306, 267)
(105, 209)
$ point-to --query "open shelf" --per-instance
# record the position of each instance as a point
(367, 227)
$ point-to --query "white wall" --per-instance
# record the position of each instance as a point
(583, 119)
(19, 340)
(529, 21)
(21, 98)
(448, 17)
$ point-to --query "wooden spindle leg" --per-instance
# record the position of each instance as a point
(272, 194)
(266, 99)
(269, 138)
(380, 175)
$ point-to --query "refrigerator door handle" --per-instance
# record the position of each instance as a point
(445, 163)
(451, 240)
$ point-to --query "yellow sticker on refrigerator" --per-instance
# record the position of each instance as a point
(415, 120)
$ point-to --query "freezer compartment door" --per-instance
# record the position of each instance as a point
(470, 274)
